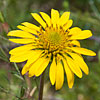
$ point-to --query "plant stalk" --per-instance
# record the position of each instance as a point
(41, 87)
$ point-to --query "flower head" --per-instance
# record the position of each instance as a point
(53, 43)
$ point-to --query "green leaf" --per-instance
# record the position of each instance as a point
(3, 55)
(22, 91)
(18, 75)
(17, 69)
(2, 89)
(1, 17)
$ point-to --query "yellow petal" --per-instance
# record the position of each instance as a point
(83, 51)
(64, 18)
(34, 56)
(79, 60)
(68, 24)
(20, 57)
(54, 17)
(74, 67)
(42, 67)
(52, 72)
(46, 18)
(33, 68)
(74, 31)
(26, 29)
(26, 67)
(69, 74)
(82, 35)
(20, 49)
(59, 76)
(38, 67)
(74, 42)
(19, 33)
(22, 41)
(32, 26)
(39, 19)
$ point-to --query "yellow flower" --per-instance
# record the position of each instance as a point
(52, 43)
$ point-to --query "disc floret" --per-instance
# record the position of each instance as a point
(52, 39)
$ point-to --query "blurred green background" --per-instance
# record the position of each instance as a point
(13, 86)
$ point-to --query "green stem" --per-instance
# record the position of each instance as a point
(41, 87)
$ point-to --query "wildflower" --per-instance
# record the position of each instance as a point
(53, 43)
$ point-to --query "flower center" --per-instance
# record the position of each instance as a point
(52, 39)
